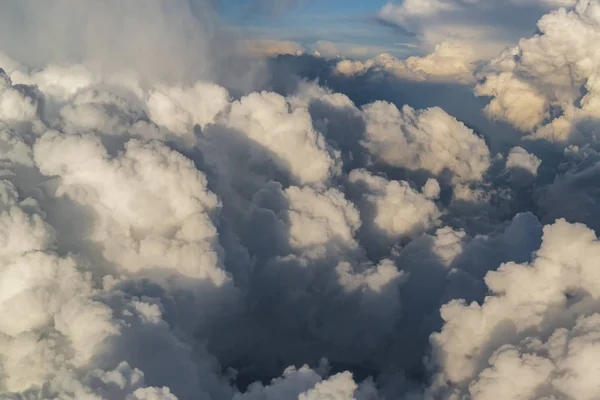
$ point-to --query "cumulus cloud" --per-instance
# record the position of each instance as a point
(176, 108)
(449, 61)
(486, 25)
(15, 105)
(335, 50)
(269, 120)
(540, 93)
(521, 164)
(395, 209)
(536, 337)
(125, 208)
(317, 219)
(167, 237)
(132, 185)
(430, 140)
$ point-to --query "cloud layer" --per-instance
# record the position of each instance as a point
(166, 236)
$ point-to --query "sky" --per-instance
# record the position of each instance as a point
(349, 24)
(364, 29)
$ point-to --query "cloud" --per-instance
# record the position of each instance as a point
(522, 165)
(14, 105)
(128, 193)
(166, 236)
(494, 23)
(176, 108)
(354, 51)
(393, 208)
(449, 61)
(154, 38)
(269, 120)
(139, 229)
(572, 192)
(540, 95)
(317, 219)
(428, 139)
(267, 47)
(535, 338)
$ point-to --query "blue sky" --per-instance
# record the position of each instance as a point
(344, 22)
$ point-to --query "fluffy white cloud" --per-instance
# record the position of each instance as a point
(546, 84)
(334, 50)
(424, 139)
(150, 205)
(15, 106)
(107, 114)
(57, 340)
(318, 219)
(60, 82)
(449, 61)
(180, 109)
(306, 384)
(483, 347)
(513, 100)
(287, 132)
(519, 159)
(394, 208)
(431, 189)
(338, 387)
(35, 283)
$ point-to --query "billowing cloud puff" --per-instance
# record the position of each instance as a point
(15, 106)
(431, 189)
(316, 219)
(428, 139)
(180, 109)
(521, 164)
(333, 51)
(513, 100)
(533, 330)
(394, 208)
(287, 132)
(449, 61)
(540, 92)
(334, 115)
(60, 82)
(292, 384)
(306, 384)
(107, 114)
(15, 150)
(486, 25)
(338, 387)
(144, 216)
(53, 331)
(30, 270)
